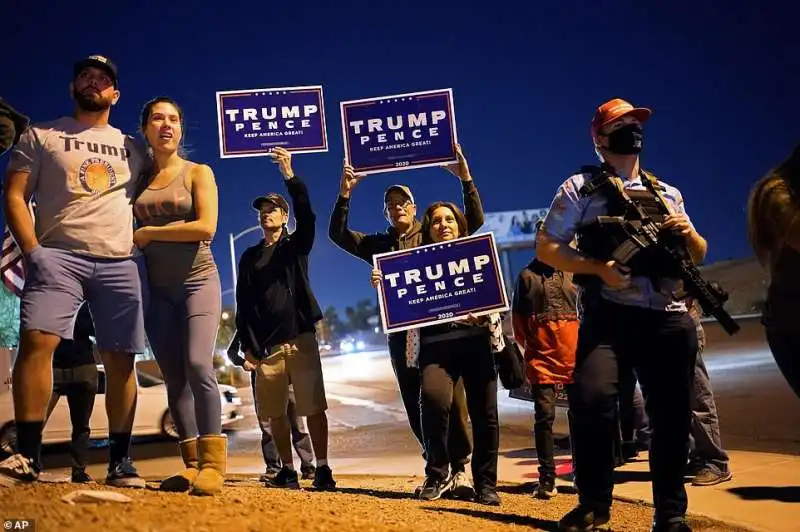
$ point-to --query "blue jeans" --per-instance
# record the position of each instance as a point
(705, 443)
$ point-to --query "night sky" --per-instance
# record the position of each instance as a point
(721, 78)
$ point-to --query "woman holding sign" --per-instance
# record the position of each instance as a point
(448, 353)
(177, 218)
(405, 232)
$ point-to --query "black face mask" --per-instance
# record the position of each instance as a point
(627, 140)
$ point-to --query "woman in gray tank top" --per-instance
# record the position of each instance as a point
(176, 214)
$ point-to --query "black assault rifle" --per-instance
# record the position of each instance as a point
(636, 231)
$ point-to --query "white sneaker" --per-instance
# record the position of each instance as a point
(461, 487)
(16, 470)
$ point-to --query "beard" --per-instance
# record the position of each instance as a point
(91, 102)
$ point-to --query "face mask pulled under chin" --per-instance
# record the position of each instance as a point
(627, 140)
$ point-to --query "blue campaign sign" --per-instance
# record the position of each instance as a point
(254, 121)
(439, 283)
(399, 132)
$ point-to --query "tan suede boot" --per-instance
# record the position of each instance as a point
(184, 480)
(213, 462)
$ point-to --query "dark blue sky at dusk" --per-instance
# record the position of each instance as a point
(721, 78)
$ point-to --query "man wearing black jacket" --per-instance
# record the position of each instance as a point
(405, 232)
(276, 313)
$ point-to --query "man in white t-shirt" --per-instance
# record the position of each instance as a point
(82, 174)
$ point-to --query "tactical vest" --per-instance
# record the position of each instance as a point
(556, 300)
(607, 241)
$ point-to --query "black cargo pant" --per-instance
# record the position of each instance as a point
(442, 365)
(459, 443)
(544, 415)
(79, 386)
(661, 348)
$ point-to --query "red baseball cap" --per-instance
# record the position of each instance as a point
(615, 109)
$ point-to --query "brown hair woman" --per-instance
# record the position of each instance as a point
(773, 213)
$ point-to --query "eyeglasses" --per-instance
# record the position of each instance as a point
(403, 204)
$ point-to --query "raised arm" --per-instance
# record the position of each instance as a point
(473, 210)
(353, 242)
(305, 226)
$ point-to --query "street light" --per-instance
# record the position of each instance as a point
(233, 238)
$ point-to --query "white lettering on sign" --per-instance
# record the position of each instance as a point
(438, 277)
(396, 128)
(276, 117)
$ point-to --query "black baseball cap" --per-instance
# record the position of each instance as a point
(274, 198)
(97, 61)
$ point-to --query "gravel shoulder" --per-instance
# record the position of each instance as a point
(362, 503)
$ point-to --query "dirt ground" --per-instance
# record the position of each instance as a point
(374, 504)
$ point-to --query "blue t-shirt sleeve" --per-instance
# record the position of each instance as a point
(675, 198)
(566, 211)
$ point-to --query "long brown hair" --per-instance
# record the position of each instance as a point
(427, 220)
(773, 204)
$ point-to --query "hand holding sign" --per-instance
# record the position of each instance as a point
(459, 169)
(473, 319)
(349, 180)
(283, 159)
(376, 278)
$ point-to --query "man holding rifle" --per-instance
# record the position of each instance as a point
(632, 317)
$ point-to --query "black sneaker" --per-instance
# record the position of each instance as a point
(80, 476)
(17, 469)
(487, 496)
(286, 478)
(323, 479)
(546, 488)
(710, 476)
(584, 519)
(308, 472)
(433, 488)
(124, 475)
(629, 451)
(677, 524)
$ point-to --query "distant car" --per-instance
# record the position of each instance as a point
(152, 414)
(350, 345)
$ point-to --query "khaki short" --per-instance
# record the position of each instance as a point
(294, 363)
